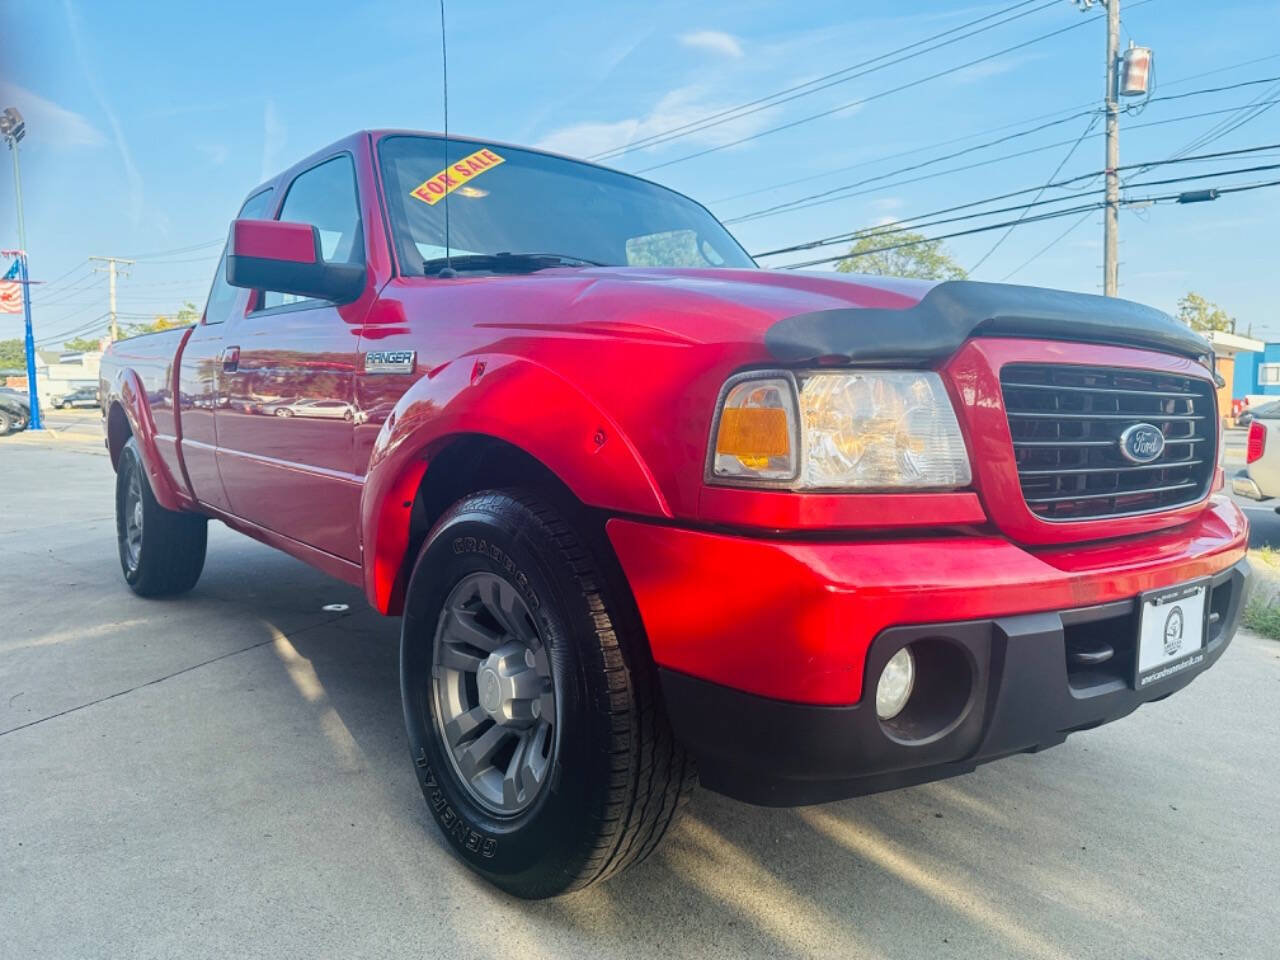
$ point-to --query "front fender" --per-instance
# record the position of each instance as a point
(512, 399)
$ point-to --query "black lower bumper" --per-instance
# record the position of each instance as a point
(1026, 687)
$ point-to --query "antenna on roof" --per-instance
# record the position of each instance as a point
(448, 270)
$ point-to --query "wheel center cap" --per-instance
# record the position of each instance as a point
(490, 689)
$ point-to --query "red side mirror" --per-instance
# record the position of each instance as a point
(275, 240)
(285, 257)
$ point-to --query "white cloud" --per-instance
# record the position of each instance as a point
(993, 68)
(675, 109)
(216, 153)
(132, 176)
(273, 139)
(51, 123)
(713, 41)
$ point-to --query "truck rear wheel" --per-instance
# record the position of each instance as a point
(161, 551)
(534, 720)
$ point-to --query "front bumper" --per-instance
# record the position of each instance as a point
(764, 646)
(1244, 485)
(1025, 697)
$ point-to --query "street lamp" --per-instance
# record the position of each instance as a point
(13, 128)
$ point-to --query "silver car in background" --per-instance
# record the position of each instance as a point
(1260, 479)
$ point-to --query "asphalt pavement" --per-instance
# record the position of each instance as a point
(226, 775)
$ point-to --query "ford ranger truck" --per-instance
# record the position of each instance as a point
(645, 509)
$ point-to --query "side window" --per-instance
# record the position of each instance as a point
(223, 295)
(325, 197)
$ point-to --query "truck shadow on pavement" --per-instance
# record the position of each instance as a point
(992, 863)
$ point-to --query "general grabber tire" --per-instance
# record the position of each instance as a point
(531, 703)
(161, 551)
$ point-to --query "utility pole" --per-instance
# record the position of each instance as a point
(112, 271)
(13, 128)
(1111, 220)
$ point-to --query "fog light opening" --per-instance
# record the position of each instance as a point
(897, 680)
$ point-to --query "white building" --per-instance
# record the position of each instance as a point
(59, 373)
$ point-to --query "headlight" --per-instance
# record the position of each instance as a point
(859, 430)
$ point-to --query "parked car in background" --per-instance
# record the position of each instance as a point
(1260, 478)
(320, 409)
(15, 411)
(80, 397)
(1245, 407)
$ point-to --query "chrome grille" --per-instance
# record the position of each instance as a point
(1066, 422)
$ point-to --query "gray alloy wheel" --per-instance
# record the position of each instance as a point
(494, 693)
(133, 513)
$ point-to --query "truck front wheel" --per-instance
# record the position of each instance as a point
(534, 721)
(161, 551)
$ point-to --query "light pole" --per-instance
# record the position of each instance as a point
(13, 129)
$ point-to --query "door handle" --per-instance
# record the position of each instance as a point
(230, 359)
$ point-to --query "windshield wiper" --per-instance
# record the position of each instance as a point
(505, 262)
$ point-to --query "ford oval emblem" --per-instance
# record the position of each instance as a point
(1141, 443)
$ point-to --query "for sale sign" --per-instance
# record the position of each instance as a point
(455, 175)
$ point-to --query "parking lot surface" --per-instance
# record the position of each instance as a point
(225, 775)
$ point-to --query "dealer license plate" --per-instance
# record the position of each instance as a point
(1170, 632)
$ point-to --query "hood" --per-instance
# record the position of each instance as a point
(796, 317)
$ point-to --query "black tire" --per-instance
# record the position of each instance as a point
(6, 423)
(168, 553)
(618, 776)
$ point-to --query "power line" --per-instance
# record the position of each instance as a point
(921, 149)
(44, 287)
(60, 296)
(901, 227)
(1051, 215)
(875, 96)
(73, 333)
(1047, 247)
(1217, 70)
(853, 235)
(829, 196)
(156, 263)
(166, 253)
(1205, 90)
(1075, 111)
(1056, 170)
(819, 83)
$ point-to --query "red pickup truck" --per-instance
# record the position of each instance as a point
(642, 505)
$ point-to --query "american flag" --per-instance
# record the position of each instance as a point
(11, 291)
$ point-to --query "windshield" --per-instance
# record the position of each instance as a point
(508, 201)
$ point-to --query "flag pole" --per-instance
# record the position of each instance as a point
(32, 393)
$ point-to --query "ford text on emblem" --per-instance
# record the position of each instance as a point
(390, 361)
(1141, 443)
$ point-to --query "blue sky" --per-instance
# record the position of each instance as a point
(149, 123)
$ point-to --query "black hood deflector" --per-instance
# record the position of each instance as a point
(956, 310)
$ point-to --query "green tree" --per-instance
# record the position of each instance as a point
(1201, 314)
(12, 355)
(81, 344)
(916, 257)
(187, 315)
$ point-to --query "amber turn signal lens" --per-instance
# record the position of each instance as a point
(754, 433)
